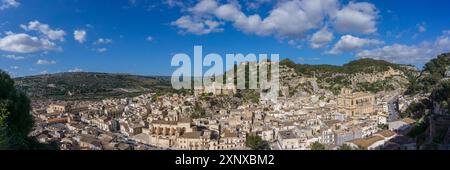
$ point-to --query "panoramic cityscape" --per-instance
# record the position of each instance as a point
(224, 75)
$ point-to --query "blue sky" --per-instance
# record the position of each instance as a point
(141, 36)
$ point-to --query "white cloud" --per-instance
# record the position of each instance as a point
(149, 38)
(45, 29)
(193, 25)
(356, 18)
(76, 69)
(24, 43)
(45, 62)
(80, 35)
(101, 50)
(204, 7)
(5, 4)
(290, 19)
(14, 67)
(349, 43)
(321, 38)
(103, 41)
(13, 57)
(410, 54)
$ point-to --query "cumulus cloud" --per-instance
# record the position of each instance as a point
(204, 7)
(13, 57)
(52, 34)
(288, 19)
(45, 62)
(350, 43)
(356, 18)
(321, 38)
(103, 41)
(5, 4)
(410, 54)
(197, 26)
(24, 43)
(80, 35)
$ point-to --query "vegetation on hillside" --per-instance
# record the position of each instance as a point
(335, 78)
(365, 65)
(89, 85)
(432, 74)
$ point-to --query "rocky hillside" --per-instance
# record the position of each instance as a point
(432, 111)
(363, 75)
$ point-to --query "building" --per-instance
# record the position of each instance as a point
(288, 140)
(57, 108)
(195, 140)
(347, 135)
(229, 140)
(165, 133)
(217, 89)
(376, 141)
(356, 103)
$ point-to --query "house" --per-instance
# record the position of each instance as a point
(195, 140)
(89, 142)
(58, 108)
(267, 134)
(342, 136)
(376, 141)
(288, 140)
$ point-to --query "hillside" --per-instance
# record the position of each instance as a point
(433, 110)
(433, 72)
(362, 75)
(89, 85)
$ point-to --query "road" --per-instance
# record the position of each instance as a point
(392, 107)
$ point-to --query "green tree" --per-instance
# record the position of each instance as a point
(15, 118)
(288, 63)
(256, 143)
(317, 146)
(345, 147)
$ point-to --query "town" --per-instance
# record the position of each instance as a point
(191, 121)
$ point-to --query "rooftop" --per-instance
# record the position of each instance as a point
(366, 142)
(287, 134)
